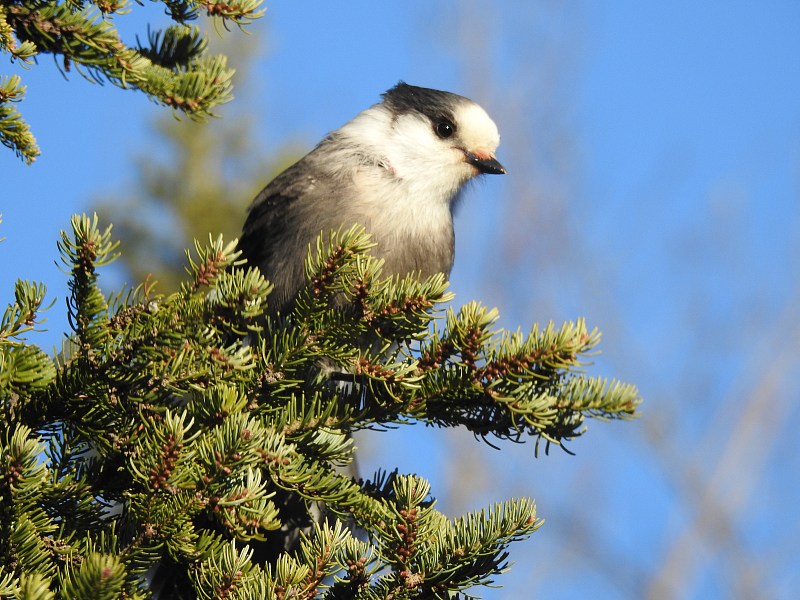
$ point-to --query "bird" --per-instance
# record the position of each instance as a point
(397, 169)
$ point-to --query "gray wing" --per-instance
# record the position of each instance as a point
(281, 222)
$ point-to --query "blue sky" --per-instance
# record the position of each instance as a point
(653, 153)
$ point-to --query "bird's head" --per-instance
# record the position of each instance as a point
(433, 140)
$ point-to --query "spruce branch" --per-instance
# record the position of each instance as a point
(87, 249)
(173, 46)
(99, 577)
(14, 131)
(24, 368)
(21, 316)
(495, 383)
(173, 68)
(188, 443)
(231, 574)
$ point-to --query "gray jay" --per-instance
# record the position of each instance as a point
(396, 169)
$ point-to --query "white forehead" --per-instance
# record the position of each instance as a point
(475, 127)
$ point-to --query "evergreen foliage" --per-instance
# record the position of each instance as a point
(172, 67)
(168, 428)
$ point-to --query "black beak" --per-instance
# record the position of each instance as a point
(485, 165)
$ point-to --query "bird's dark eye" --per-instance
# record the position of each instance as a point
(444, 128)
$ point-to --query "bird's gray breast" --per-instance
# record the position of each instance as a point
(413, 230)
(423, 252)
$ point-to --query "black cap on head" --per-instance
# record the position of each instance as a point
(404, 98)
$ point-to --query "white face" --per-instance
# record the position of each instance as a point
(415, 149)
(427, 162)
